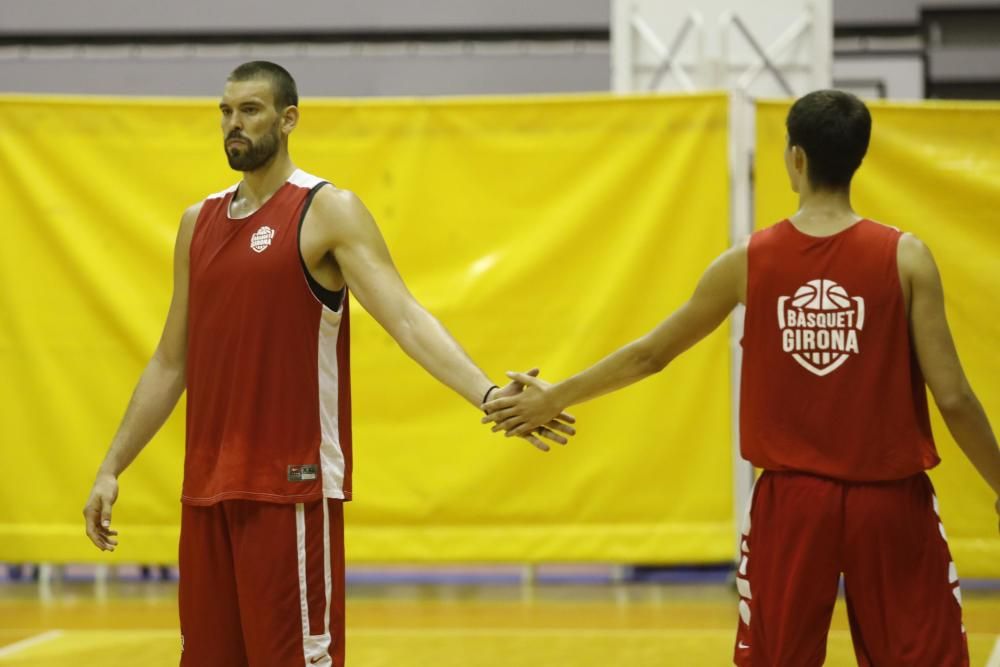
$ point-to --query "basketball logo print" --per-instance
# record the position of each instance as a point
(820, 324)
(261, 239)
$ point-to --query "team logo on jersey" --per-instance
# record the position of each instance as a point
(820, 324)
(261, 239)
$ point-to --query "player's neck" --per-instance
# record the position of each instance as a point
(260, 184)
(824, 212)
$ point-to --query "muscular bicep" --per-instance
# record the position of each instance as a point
(931, 335)
(363, 257)
(720, 289)
(172, 348)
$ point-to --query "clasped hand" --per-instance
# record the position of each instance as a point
(526, 408)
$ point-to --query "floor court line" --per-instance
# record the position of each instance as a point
(17, 647)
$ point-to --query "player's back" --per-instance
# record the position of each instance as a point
(830, 384)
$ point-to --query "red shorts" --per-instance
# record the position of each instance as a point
(262, 584)
(903, 597)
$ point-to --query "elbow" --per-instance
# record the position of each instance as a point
(648, 362)
(955, 402)
(405, 331)
(172, 362)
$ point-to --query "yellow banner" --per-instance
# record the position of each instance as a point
(541, 231)
(932, 170)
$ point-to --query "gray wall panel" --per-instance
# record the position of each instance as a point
(898, 77)
(389, 71)
(866, 12)
(964, 64)
(897, 12)
(69, 17)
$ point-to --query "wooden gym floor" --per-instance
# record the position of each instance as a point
(437, 625)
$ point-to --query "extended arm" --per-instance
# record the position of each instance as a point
(361, 253)
(157, 392)
(720, 289)
(939, 362)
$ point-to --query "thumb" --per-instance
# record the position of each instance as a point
(105, 512)
(525, 379)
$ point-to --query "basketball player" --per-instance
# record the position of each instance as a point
(257, 332)
(845, 322)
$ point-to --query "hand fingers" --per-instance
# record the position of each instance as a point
(551, 435)
(566, 417)
(559, 426)
(502, 407)
(103, 541)
(525, 379)
(90, 523)
(522, 430)
(533, 372)
(95, 538)
(498, 404)
(508, 424)
(536, 442)
(498, 416)
(105, 512)
(97, 520)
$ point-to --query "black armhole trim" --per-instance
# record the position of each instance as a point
(329, 298)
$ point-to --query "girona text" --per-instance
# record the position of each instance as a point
(820, 340)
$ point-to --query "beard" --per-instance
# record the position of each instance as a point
(256, 154)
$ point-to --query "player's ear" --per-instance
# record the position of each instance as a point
(800, 159)
(289, 119)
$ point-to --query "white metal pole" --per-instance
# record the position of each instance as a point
(741, 142)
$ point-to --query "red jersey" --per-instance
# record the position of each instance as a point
(830, 383)
(268, 372)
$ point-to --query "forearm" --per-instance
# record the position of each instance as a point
(427, 342)
(969, 425)
(647, 355)
(157, 392)
(621, 368)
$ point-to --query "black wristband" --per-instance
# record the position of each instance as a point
(486, 396)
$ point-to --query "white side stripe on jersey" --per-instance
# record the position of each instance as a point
(331, 454)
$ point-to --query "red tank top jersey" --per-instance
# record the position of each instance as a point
(830, 383)
(268, 372)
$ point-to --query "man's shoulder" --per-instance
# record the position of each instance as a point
(331, 195)
(192, 213)
(334, 204)
(913, 255)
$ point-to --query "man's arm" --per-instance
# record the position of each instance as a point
(940, 365)
(721, 288)
(157, 392)
(354, 240)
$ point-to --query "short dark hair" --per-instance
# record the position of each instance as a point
(833, 128)
(282, 84)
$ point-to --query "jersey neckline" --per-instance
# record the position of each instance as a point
(260, 208)
(813, 237)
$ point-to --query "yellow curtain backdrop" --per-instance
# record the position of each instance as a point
(541, 231)
(933, 169)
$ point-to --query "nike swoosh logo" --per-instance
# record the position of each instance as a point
(316, 660)
(742, 645)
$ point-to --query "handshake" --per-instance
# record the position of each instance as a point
(528, 408)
